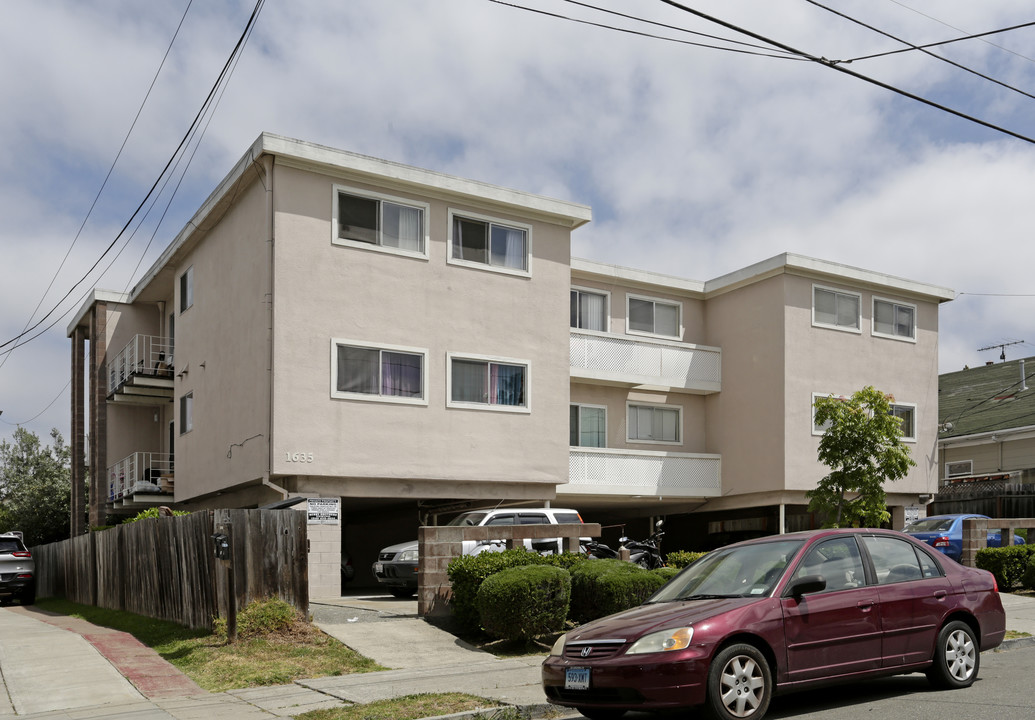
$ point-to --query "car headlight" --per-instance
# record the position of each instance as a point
(408, 556)
(663, 641)
(558, 647)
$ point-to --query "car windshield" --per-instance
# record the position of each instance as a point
(740, 571)
(932, 524)
(468, 518)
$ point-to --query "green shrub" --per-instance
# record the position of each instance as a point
(603, 587)
(1008, 564)
(467, 572)
(1028, 578)
(681, 558)
(151, 512)
(262, 617)
(524, 602)
(666, 573)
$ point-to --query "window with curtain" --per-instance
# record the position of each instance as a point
(379, 372)
(380, 222)
(907, 413)
(589, 310)
(894, 319)
(487, 382)
(831, 308)
(489, 243)
(587, 426)
(653, 316)
(653, 423)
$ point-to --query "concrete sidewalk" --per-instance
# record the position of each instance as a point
(60, 668)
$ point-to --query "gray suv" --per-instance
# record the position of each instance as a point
(17, 571)
(396, 566)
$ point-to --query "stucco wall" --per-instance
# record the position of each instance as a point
(616, 400)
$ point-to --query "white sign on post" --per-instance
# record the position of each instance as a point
(323, 511)
(912, 513)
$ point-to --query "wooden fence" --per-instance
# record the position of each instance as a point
(167, 568)
(995, 499)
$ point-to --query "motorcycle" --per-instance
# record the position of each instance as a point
(645, 553)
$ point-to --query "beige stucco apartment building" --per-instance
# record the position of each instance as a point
(332, 325)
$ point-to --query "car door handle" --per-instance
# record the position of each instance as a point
(939, 594)
(865, 605)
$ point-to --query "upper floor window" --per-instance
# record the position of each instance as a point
(894, 319)
(654, 423)
(370, 220)
(587, 426)
(654, 317)
(589, 310)
(483, 241)
(907, 413)
(377, 372)
(495, 383)
(187, 289)
(186, 413)
(836, 308)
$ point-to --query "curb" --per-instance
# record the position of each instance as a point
(540, 711)
(1015, 644)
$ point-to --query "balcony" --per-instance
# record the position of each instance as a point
(645, 363)
(142, 372)
(141, 480)
(606, 471)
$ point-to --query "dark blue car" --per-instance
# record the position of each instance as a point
(945, 533)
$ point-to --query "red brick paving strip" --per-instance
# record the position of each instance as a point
(151, 674)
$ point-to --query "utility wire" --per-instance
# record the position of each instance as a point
(953, 27)
(911, 46)
(111, 169)
(975, 36)
(840, 68)
(176, 153)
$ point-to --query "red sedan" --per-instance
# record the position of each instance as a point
(777, 614)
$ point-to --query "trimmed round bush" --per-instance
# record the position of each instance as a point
(1008, 564)
(605, 586)
(681, 558)
(524, 602)
(1028, 578)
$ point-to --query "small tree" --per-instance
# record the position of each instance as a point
(862, 445)
(35, 487)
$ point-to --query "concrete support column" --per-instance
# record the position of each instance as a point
(78, 439)
(98, 392)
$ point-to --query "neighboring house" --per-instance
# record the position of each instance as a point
(331, 325)
(986, 437)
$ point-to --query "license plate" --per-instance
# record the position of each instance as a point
(378, 568)
(576, 678)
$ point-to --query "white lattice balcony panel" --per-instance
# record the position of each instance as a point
(142, 372)
(646, 363)
(606, 471)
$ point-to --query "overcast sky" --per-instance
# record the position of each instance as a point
(696, 161)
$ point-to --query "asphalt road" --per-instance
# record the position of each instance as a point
(1004, 690)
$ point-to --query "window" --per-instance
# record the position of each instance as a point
(836, 308)
(379, 221)
(654, 423)
(894, 320)
(587, 426)
(187, 289)
(818, 429)
(653, 317)
(838, 561)
(961, 468)
(894, 560)
(186, 413)
(908, 415)
(377, 372)
(488, 382)
(589, 310)
(483, 241)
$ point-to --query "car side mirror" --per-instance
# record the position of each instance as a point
(805, 585)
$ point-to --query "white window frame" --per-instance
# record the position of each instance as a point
(186, 289)
(911, 406)
(453, 213)
(968, 463)
(839, 291)
(894, 303)
(658, 406)
(818, 431)
(379, 398)
(186, 412)
(656, 300)
(425, 209)
(593, 407)
(491, 407)
(607, 308)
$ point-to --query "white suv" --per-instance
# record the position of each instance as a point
(17, 570)
(396, 566)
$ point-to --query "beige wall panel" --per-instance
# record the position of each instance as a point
(326, 291)
(1019, 454)
(985, 457)
(692, 310)
(221, 349)
(616, 399)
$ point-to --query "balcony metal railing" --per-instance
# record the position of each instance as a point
(645, 361)
(147, 355)
(145, 472)
(608, 471)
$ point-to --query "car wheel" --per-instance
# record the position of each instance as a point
(956, 657)
(402, 592)
(601, 713)
(740, 683)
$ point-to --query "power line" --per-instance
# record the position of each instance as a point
(940, 43)
(840, 68)
(953, 27)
